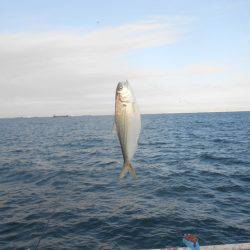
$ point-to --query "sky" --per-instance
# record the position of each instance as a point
(66, 57)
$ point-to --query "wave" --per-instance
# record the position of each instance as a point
(222, 159)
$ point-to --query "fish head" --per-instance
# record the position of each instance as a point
(124, 92)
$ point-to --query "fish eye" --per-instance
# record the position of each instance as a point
(119, 87)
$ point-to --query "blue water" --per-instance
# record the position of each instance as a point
(59, 187)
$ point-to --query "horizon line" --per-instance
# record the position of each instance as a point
(163, 113)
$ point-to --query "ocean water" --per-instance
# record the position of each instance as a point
(59, 186)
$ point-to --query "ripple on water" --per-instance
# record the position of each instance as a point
(193, 177)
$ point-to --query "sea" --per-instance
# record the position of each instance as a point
(59, 186)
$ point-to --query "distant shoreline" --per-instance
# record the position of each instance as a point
(170, 113)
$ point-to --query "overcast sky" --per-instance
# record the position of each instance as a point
(66, 57)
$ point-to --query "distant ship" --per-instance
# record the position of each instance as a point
(60, 116)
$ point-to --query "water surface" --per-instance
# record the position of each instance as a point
(58, 182)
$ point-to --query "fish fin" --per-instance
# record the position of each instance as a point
(127, 167)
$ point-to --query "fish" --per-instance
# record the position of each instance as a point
(128, 125)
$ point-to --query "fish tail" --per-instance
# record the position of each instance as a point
(127, 167)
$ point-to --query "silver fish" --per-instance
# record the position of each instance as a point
(128, 124)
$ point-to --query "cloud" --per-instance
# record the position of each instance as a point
(75, 73)
(40, 72)
(74, 50)
(203, 69)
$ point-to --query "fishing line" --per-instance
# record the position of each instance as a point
(45, 230)
(56, 202)
(46, 225)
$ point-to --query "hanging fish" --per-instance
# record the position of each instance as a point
(128, 124)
